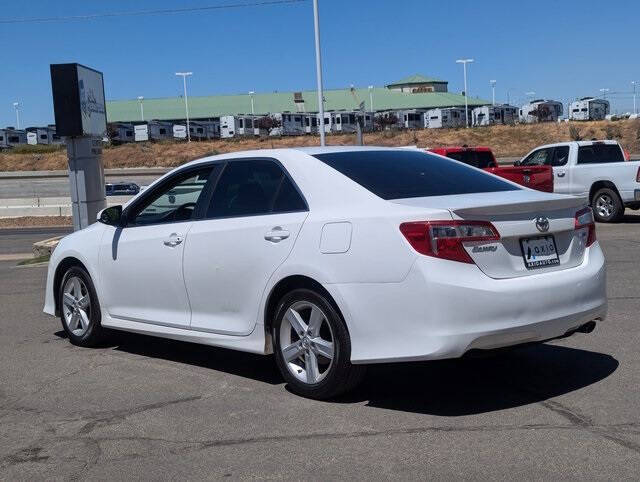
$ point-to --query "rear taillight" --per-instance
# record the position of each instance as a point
(445, 239)
(584, 220)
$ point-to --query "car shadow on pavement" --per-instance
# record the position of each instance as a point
(248, 365)
(477, 385)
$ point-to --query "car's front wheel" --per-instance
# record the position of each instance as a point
(80, 309)
(312, 346)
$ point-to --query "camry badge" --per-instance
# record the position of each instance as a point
(542, 224)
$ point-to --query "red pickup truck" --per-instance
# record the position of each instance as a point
(534, 177)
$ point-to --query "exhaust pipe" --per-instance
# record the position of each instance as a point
(587, 327)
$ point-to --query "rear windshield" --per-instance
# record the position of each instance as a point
(599, 153)
(406, 174)
(480, 159)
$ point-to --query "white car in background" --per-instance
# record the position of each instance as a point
(333, 258)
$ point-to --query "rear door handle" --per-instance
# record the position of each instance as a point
(173, 240)
(561, 174)
(276, 234)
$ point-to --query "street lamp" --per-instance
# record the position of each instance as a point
(604, 93)
(464, 63)
(634, 82)
(140, 99)
(316, 26)
(371, 97)
(16, 106)
(251, 92)
(184, 76)
(493, 91)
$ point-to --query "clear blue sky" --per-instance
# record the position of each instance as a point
(559, 49)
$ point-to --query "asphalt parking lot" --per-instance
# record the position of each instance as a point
(145, 408)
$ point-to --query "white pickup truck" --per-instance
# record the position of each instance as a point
(597, 170)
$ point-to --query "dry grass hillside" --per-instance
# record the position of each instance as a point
(506, 141)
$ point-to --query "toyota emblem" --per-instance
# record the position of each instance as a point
(542, 224)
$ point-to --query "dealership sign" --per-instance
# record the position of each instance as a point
(78, 100)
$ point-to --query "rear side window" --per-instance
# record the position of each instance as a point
(599, 153)
(480, 159)
(406, 174)
(253, 188)
(560, 156)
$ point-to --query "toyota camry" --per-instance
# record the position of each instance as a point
(331, 259)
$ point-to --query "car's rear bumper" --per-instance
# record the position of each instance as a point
(444, 310)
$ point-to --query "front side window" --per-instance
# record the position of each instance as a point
(538, 158)
(252, 188)
(408, 174)
(174, 202)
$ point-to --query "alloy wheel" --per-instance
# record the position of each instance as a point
(605, 205)
(307, 342)
(76, 305)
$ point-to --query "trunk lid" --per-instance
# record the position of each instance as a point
(526, 221)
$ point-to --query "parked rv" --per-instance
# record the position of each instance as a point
(540, 110)
(487, 115)
(589, 108)
(444, 117)
(121, 132)
(153, 131)
(11, 137)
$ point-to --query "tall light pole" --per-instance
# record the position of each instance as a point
(604, 93)
(316, 26)
(184, 76)
(16, 106)
(371, 98)
(251, 92)
(464, 63)
(634, 83)
(140, 99)
(493, 92)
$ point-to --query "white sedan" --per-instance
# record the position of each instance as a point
(333, 258)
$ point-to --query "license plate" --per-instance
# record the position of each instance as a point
(539, 252)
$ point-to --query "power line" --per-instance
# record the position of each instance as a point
(94, 16)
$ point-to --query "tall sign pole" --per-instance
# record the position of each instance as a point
(80, 114)
(316, 26)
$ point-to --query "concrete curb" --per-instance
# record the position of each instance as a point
(45, 247)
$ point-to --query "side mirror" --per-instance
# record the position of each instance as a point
(111, 216)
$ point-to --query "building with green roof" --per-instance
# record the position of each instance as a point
(384, 99)
(419, 83)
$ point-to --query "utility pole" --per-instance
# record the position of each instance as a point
(184, 76)
(604, 93)
(251, 92)
(371, 98)
(464, 63)
(493, 92)
(634, 82)
(140, 99)
(316, 25)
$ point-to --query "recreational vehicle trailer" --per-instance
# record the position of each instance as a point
(588, 108)
(540, 110)
(197, 131)
(40, 135)
(153, 131)
(179, 131)
(487, 115)
(412, 118)
(310, 124)
(236, 125)
(120, 132)
(293, 124)
(11, 137)
(444, 117)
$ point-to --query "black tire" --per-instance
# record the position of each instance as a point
(95, 334)
(607, 206)
(342, 375)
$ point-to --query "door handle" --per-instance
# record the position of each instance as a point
(276, 234)
(173, 240)
(561, 174)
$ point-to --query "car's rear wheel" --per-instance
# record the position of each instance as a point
(607, 206)
(80, 309)
(312, 346)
